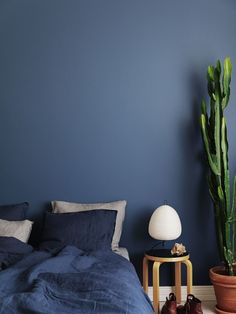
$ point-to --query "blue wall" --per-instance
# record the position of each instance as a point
(99, 101)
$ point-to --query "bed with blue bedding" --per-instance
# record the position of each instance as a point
(74, 269)
(70, 280)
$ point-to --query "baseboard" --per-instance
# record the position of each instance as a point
(204, 293)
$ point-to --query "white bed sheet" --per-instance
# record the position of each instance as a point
(123, 252)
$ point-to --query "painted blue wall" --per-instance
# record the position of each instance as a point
(99, 101)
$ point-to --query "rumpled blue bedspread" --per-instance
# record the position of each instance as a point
(12, 250)
(69, 280)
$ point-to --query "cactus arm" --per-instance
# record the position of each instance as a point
(210, 73)
(218, 220)
(225, 229)
(226, 81)
(224, 148)
(204, 109)
(217, 213)
(218, 66)
(217, 127)
(227, 74)
(212, 190)
(233, 211)
(210, 157)
(225, 100)
(229, 260)
(211, 83)
(217, 73)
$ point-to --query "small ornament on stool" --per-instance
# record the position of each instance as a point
(178, 249)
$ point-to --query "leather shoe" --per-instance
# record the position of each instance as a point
(192, 306)
(170, 306)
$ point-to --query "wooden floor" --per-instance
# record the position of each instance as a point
(208, 307)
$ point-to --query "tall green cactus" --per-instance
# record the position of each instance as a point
(214, 134)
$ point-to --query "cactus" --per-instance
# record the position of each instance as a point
(214, 135)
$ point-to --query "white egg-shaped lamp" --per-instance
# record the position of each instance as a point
(165, 224)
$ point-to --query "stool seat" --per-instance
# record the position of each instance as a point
(159, 257)
(163, 253)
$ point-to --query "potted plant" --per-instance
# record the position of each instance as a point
(214, 134)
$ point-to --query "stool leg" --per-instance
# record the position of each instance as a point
(178, 282)
(145, 274)
(189, 276)
(156, 282)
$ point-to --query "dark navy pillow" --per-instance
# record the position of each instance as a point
(14, 212)
(87, 230)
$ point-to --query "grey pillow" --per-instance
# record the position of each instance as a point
(119, 206)
(18, 229)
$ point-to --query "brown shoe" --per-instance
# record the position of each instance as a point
(192, 306)
(170, 306)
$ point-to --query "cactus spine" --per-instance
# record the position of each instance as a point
(214, 134)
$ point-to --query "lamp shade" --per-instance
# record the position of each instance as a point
(165, 224)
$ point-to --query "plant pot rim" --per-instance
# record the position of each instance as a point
(217, 276)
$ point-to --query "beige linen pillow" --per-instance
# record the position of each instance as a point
(18, 229)
(119, 206)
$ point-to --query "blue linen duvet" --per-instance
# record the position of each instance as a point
(72, 281)
(12, 250)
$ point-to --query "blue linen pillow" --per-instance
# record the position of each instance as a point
(14, 212)
(88, 230)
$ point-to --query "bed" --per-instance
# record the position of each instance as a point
(71, 272)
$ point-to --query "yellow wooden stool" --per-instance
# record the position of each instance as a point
(159, 257)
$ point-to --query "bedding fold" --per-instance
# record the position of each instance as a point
(12, 250)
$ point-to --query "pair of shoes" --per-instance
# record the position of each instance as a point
(170, 307)
(192, 306)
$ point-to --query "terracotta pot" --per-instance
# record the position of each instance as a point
(225, 290)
